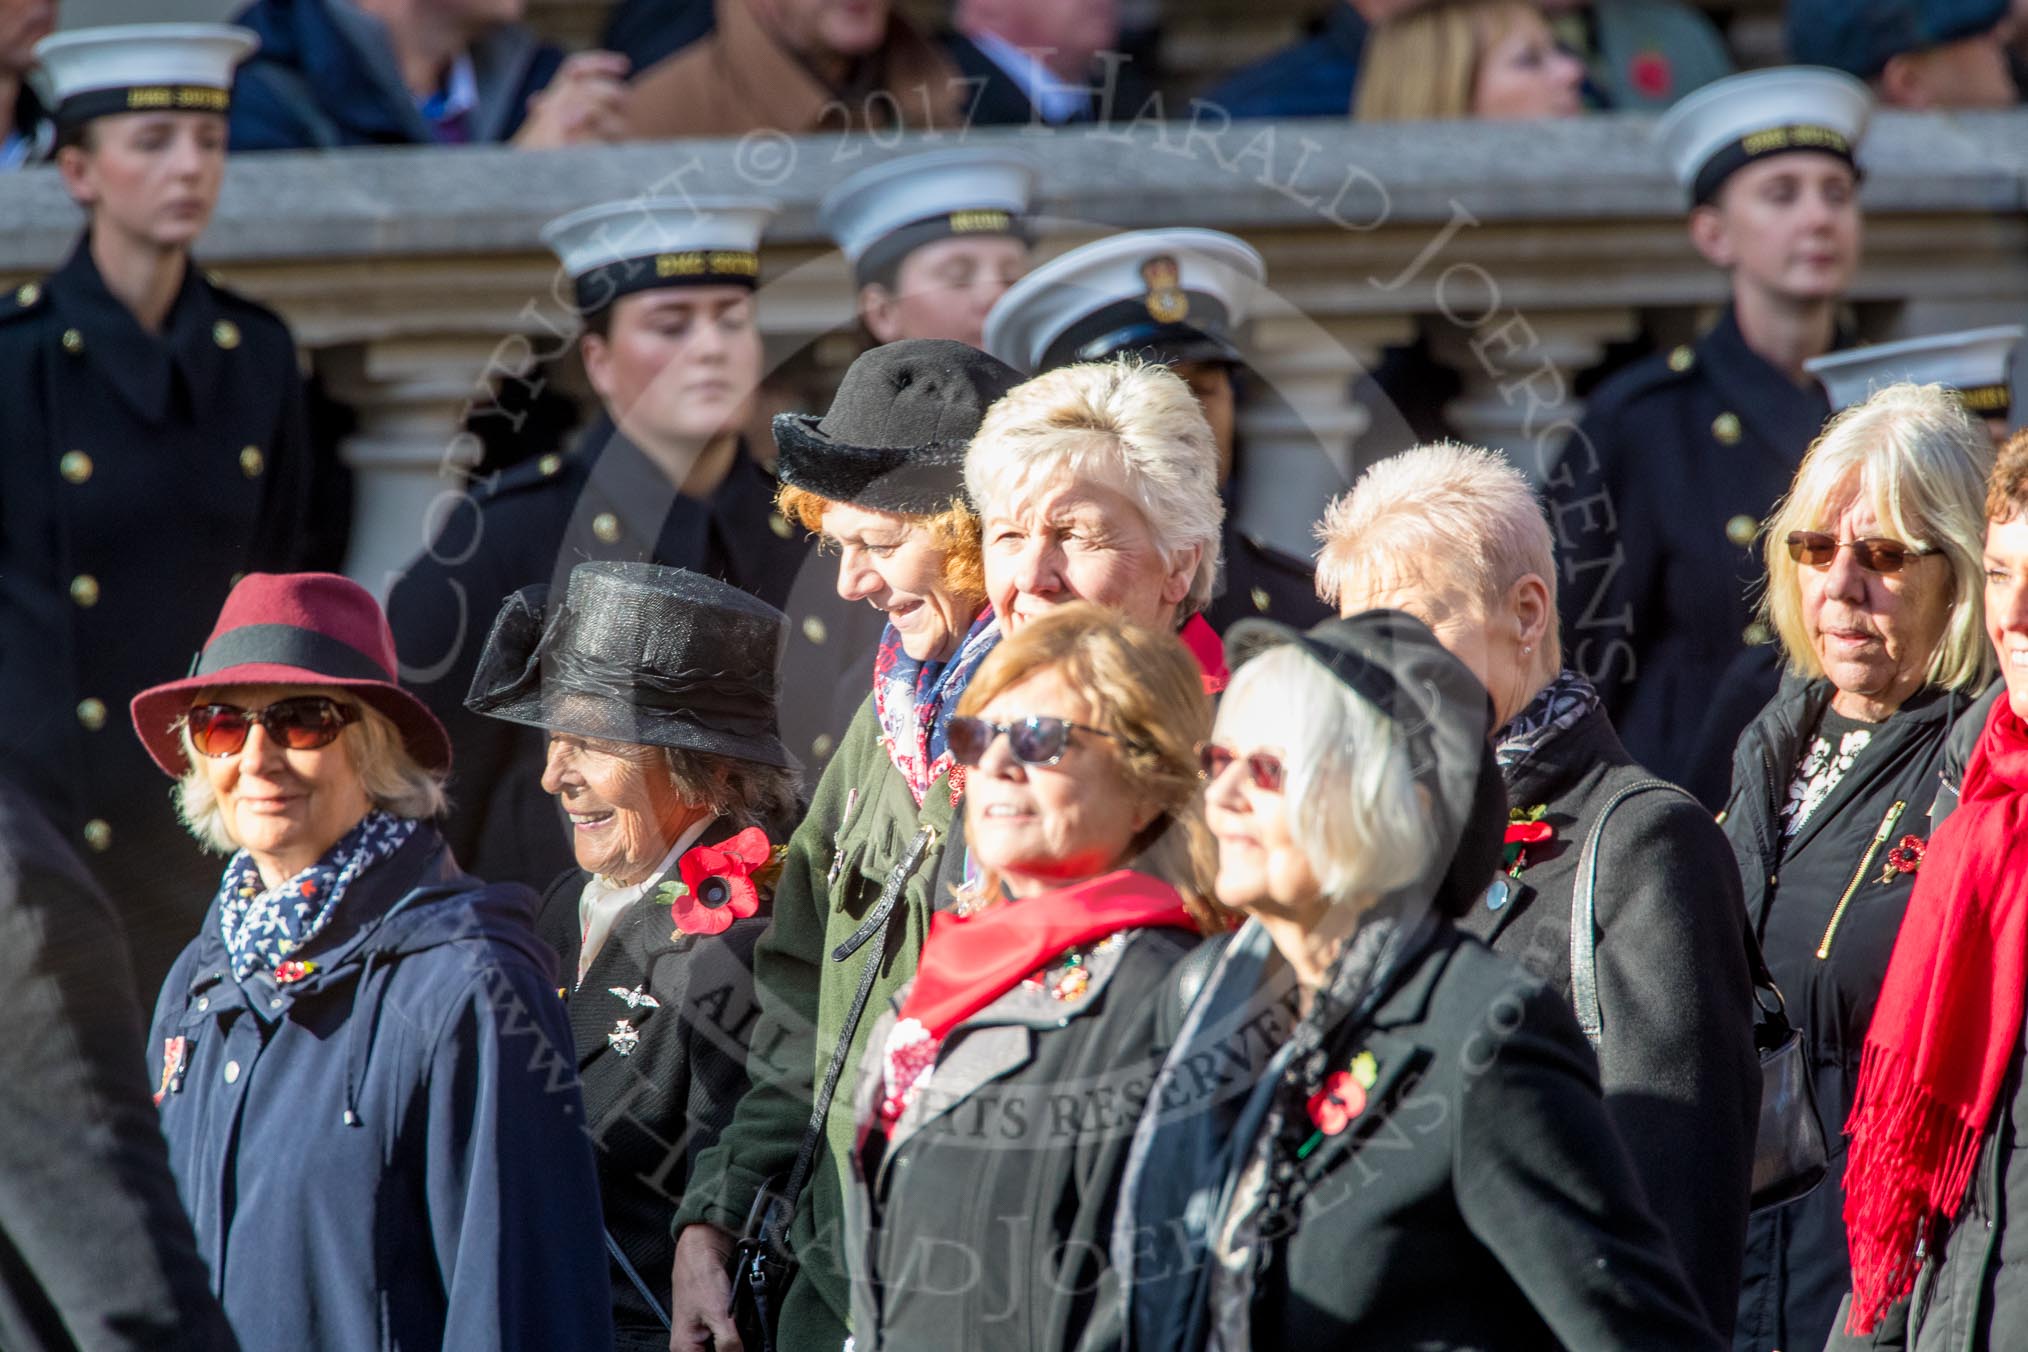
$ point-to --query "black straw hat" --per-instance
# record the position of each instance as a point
(896, 435)
(642, 654)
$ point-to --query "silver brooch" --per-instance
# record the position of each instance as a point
(623, 1038)
(636, 997)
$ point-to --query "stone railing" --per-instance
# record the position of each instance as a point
(1521, 252)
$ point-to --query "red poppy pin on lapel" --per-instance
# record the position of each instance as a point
(1905, 857)
(1525, 828)
(1343, 1097)
(720, 883)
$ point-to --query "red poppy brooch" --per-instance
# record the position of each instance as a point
(1343, 1097)
(1905, 857)
(1525, 829)
(721, 883)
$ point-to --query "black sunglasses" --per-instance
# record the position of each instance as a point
(1263, 769)
(300, 723)
(1814, 549)
(1035, 740)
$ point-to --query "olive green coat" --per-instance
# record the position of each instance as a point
(863, 826)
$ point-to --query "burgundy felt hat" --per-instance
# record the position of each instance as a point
(294, 629)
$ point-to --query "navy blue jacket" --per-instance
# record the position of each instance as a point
(1314, 78)
(388, 1153)
(325, 77)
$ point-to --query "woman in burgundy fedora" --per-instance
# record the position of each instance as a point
(363, 1072)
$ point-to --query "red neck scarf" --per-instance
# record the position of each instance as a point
(968, 962)
(1949, 1013)
(1204, 645)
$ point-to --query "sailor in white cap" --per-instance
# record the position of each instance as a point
(933, 239)
(1178, 297)
(1659, 497)
(1973, 364)
(155, 447)
(672, 347)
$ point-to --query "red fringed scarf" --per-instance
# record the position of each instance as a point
(1949, 1013)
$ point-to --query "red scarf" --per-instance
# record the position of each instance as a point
(968, 962)
(1204, 645)
(1949, 1013)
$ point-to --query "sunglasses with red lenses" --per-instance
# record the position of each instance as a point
(300, 723)
(1814, 549)
(1035, 740)
(1264, 770)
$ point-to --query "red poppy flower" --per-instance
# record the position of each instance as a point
(293, 971)
(1520, 836)
(1906, 856)
(718, 886)
(1650, 74)
(1333, 1107)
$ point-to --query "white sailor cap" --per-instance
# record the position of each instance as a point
(142, 68)
(1175, 295)
(881, 215)
(616, 248)
(1713, 132)
(1972, 364)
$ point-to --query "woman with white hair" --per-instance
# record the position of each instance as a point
(364, 1074)
(1099, 482)
(1454, 536)
(1403, 1142)
(1876, 592)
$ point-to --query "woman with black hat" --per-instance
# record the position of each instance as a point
(135, 381)
(1405, 1144)
(882, 477)
(360, 1062)
(657, 689)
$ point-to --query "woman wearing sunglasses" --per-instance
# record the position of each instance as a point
(1372, 1131)
(998, 1095)
(1675, 1037)
(1875, 590)
(363, 1072)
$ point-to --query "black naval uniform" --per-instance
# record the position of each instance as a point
(140, 475)
(1262, 580)
(604, 500)
(1656, 508)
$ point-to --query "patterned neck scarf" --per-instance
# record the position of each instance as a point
(1556, 707)
(914, 702)
(265, 928)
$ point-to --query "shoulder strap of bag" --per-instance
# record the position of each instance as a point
(872, 934)
(1583, 913)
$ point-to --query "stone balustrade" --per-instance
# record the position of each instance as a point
(1521, 253)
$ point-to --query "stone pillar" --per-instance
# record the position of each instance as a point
(409, 453)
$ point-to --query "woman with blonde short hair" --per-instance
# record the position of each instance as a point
(1876, 591)
(997, 1099)
(1099, 482)
(1454, 535)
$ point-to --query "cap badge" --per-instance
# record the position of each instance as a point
(1166, 302)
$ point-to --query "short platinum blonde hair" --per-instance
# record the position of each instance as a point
(1920, 461)
(1354, 806)
(1457, 521)
(1131, 425)
(395, 781)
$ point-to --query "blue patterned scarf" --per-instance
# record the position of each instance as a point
(263, 928)
(914, 702)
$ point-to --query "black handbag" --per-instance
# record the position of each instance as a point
(762, 1264)
(1790, 1157)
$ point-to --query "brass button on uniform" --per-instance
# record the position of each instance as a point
(226, 334)
(75, 467)
(1726, 428)
(813, 629)
(779, 524)
(92, 713)
(1756, 634)
(251, 461)
(84, 589)
(1261, 599)
(606, 526)
(549, 464)
(73, 341)
(27, 294)
(99, 835)
(1741, 529)
(1682, 358)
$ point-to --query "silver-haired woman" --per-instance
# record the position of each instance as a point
(1876, 590)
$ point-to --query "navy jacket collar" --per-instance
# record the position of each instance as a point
(1784, 416)
(159, 375)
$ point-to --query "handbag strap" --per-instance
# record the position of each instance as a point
(872, 933)
(1584, 910)
(613, 1248)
